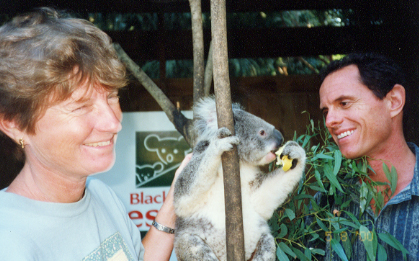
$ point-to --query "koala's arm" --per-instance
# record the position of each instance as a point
(272, 189)
(200, 174)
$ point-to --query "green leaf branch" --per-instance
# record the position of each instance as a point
(302, 227)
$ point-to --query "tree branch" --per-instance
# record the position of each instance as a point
(208, 72)
(230, 159)
(308, 65)
(182, 124)
(198, 50)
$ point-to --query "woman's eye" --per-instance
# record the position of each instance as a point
(79, 108)
(113, 97)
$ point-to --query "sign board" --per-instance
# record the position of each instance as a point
(148, 152)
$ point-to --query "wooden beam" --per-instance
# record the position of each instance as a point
(182, 6)
(278, 42)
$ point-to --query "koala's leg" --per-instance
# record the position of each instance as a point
(192, 248)
(272, 189)
(201, 172)
(265, 249)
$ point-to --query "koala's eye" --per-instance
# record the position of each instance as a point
(262, 133)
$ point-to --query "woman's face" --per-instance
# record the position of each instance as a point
(76, 137)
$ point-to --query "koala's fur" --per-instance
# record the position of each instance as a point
(199, 190)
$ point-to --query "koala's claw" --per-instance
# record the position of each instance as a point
(294, 152)
(224, 141)
(294, 163)
(223, 132)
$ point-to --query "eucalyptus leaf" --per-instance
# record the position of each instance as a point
(281, 255)
(315, 236)
(392, 241)
(286, 249)
(332, 178)
(353, 218)
(307, 253)
(393, 180)
(284, 231)
(300, 255)
(381, 253)
(323, 156)
(319, 180)
(318, 251)
(303, 196)
(345, 204)
(368, 239)
(306, 140)
(321, 225)
(363, 197)
(316, 188)
(337, 248)
(349, 224)
(338, 161)
(346, 244)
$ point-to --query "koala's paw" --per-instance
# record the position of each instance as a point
(224, 141)
(294, 152)
(223, 132)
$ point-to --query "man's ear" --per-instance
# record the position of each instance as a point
(397, 99)
(11, 129)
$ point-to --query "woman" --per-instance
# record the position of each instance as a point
(59, 79)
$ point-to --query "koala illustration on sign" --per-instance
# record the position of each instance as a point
(199, 189)
(163, 153)
(165, 148)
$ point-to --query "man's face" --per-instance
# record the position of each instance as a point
(360, 123)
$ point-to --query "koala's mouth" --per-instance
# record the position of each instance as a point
(270, 156)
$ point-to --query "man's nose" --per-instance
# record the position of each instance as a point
(333, 118)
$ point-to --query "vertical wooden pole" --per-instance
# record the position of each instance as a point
(230, 160)
(198, 50)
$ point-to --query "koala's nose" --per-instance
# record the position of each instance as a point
(278, 137)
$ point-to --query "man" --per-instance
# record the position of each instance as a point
(362, 98)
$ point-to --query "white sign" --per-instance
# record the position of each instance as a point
(148, 152)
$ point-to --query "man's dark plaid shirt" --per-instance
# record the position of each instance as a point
(399, 217)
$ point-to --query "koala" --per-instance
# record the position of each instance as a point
(199, 189)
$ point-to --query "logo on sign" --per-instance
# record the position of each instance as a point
(158, 155)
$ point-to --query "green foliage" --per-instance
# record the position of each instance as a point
(244, 67)
(291, 18)
(302, 226)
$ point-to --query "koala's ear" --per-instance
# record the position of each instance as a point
(206, 111)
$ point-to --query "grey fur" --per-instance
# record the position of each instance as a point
(199, 193)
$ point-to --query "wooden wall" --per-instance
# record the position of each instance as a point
(279, 100)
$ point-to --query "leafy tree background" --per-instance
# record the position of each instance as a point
(245, 67)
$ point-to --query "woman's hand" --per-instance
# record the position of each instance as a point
(158, 245)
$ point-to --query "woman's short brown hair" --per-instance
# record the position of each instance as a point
(44, 57)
